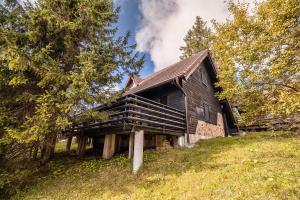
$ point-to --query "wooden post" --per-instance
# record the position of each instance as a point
(130, 150)
(109, 146)
(69, 142)
(81, 145)
(79, 141)
(119, 139)
(138, 150)
(113, 144)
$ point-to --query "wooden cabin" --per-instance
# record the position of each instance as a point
(174, 106)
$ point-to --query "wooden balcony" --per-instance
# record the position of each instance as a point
(131, 113)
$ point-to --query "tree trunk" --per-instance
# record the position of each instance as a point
(35, 151)
(48, 148)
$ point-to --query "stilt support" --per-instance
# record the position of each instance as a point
(81, 145)
(181, 141)
(138, 150)
(131, 141)
(109, 146)
(69, 143)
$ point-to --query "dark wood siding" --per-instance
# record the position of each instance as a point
(173, 95)
(200, 93)
(176, 100)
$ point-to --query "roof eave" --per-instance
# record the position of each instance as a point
(154, 86)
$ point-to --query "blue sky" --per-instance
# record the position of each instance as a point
(159, 26)
(129, 19)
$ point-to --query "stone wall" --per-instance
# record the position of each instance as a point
(207, 130)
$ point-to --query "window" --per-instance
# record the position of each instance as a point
(203, 77)
(200, 112)
(206, 112)
(213, 117)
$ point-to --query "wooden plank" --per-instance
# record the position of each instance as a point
(155, 122)
(155, 111)
(159, 107)
(156, 117)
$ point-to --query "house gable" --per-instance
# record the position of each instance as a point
(189, 85)
(202, 104)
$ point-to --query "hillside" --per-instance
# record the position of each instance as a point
(257, 166)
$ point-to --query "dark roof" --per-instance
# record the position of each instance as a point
(182, 68)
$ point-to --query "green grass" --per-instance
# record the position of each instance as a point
(257, 166)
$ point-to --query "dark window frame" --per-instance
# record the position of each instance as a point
(200, 112)
(206, 112)
(203, 76)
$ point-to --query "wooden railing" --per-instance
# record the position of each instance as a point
(133, 111)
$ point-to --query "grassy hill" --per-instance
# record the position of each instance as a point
(257, 166)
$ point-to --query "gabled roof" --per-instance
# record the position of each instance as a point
(182, 68)
(133, 79)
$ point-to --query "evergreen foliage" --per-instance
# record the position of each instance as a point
(58, 58)
(197, 39)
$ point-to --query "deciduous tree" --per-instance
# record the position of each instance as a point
(258, 55)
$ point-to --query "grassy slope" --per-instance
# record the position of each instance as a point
(257, 166)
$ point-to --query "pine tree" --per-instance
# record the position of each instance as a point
(197, 38)
(58, 58)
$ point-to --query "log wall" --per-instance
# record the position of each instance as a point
(199, 94)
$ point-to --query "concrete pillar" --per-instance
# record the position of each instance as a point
(109, 146)
(138, 150)
(69, 142)
(131, 141)
(181, 141)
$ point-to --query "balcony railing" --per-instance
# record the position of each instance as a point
(133, 111)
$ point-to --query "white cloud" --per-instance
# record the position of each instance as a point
(164, 24)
